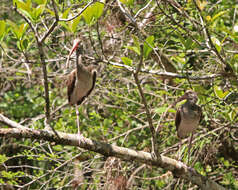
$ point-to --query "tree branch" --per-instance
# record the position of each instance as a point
(178, 168)
(148, 114)
(55, 23)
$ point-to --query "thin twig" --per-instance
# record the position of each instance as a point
(55, 23)
(148, 114)
(126, 13)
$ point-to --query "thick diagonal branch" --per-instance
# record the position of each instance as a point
(178, 169)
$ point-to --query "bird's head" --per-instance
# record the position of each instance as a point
(79, 50)
(78, 47)
(190, 96)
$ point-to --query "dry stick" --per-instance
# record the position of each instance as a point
(148, 114)
(130, 180)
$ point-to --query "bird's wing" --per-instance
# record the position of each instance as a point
(90, 90)
(71, 83)
(94, 81)
(178, 118)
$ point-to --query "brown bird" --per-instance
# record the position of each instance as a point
(188, 117)
(81, 81)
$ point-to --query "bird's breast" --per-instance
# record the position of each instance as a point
(82, 86)
(189, 123)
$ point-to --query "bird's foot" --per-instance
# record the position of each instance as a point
(154, 155)
(81, 139)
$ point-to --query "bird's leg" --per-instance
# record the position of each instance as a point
(179, 155)
(189, 147)
(80, 136)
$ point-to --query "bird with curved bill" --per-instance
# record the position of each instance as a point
(188, 116)
(80, 82)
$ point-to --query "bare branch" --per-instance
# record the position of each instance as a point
(165, 74)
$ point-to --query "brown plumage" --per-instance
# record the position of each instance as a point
(80, 83)
(188, 116)
(81, 80)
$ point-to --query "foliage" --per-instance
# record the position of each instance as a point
(192, 40)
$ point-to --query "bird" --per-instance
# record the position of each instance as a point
(80, 82)
(188, 116)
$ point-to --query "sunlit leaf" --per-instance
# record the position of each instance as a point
(160, 109)
(40, 2)
(180, 103)
(219, 92)
(65, 13)
(201, 4)
(39, 10)
(2, 28)
(148, 45)
(127, 61)
(26, 6)
(217, 43)
(75, 23)
(97, 9)
(88, 15)
(133, 48)
(127, 2)
(217, 15)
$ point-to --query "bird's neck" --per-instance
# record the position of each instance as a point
(79, 66)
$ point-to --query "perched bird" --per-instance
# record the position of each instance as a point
(188, 116)
(81, 81)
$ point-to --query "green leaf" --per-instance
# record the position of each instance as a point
(133, 48)
(219, 92)
(22, 29)
(28, 14)
(65, 13)
(93, 12)
(88, 15)
(127, 2)
(217, 43)
(24, 44)
(160, 109)
(38, 11)
(75, 23)
(40, 2)
(180, 103)
(97, 9)
(23, 6)
(148, 46)
(2, 28)
(127, 61)
(217, 15)
(3, 158)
